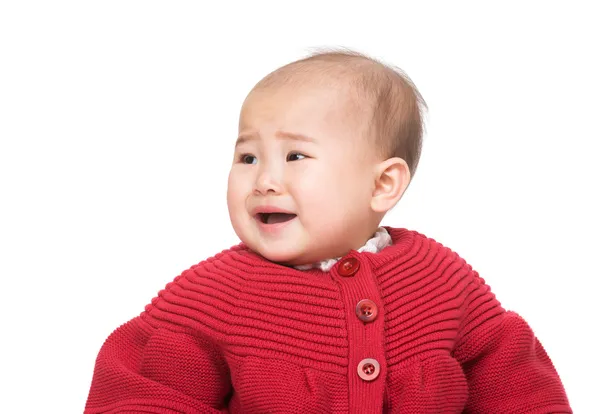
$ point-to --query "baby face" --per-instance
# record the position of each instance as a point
(300, 157)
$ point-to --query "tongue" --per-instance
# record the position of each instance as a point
(279, 217)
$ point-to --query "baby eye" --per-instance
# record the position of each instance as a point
(295, 153)
(244, 158)
(247, 158)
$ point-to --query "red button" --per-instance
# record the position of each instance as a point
(348, 267)
(366, 310)
(368, 369)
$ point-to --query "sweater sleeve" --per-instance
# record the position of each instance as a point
(140, 369)
(507, 369)
(168, 359)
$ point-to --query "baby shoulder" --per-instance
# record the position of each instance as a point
(202, 299)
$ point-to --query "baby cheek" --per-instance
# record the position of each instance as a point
(231, 200)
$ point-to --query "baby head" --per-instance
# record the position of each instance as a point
(327, 146)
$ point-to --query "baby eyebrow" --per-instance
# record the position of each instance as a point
(281, 135)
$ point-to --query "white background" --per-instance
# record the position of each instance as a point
(117, 124)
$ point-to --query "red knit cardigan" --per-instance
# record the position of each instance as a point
(237, 333)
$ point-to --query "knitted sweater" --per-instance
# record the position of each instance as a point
(410, 329)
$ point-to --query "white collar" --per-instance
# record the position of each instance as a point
(378, 242)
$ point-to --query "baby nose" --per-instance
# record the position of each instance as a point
(266, 182)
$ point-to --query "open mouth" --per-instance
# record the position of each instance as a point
(274, 218)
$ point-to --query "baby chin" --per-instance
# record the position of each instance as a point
(287, 250)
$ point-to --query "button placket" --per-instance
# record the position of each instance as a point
(365, 330)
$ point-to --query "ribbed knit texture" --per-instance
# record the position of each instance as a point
(237, 333)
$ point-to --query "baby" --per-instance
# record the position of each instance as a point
(320, 309)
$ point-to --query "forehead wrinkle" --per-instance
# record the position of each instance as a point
(279, 135)
(289, 106)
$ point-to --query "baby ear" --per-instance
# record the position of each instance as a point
(392, 177)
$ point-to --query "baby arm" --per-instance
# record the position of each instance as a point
(507, 369)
